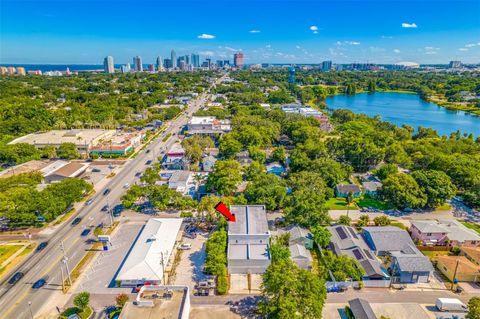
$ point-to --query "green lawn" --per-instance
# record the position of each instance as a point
(8, 250)
(339, 203)
(475, 227)
(399, 225)
(432, 254)
(445, 206)
(367, 201)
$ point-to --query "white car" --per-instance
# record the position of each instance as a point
(127, 185)
(185, 246)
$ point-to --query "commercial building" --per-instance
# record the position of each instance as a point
(69, 170)
(21, 70)
(248, 240)
(291, 75)
(175, 158)
(150, 258)
(166, 302)
(173, 57)
(208, 125)
(238, 60)
(119, 143)
(444, 232)
(195, 60)
(326, 66)
(108, 66)
(137, 64)
(159, 64)
(455, 64)
(179, 181)
(408, 265)
(84, 140)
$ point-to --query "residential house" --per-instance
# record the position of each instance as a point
(345, 241)
(459, 268)
(408, 265)
(300, 241)
(301, 256)
(248, 240)
(244, 158)
(444, 232)
(361, 309)
(472, 253)
(371, 188)
(175, 158)
(179, 181)
(342, 190)
(208, 163)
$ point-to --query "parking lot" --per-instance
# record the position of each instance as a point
(190, 269)
(99, 276)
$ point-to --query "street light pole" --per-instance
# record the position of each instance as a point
(30, 308)
(65, 261)
(63, 279)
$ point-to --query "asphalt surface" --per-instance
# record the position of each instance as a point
(21, 301)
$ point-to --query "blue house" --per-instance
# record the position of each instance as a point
(342, 190)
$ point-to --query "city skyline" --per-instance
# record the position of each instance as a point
(269, 31)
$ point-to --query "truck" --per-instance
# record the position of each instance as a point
(450, 304)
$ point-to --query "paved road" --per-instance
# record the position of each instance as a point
(18, 301)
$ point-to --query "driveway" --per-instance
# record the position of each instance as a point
(189, 270)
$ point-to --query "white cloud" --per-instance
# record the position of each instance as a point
(387, 37)
(230, 49)
(206, 36)
(268, 46)
(431, 49)
(463, 49)
(315, 32)
(348, 43)
(206, 53)
(396, 50)
(254, 31)
(298, 47)
(409, 25)
(314, 28)
(470, 45)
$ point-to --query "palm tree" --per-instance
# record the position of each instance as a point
(349, 201)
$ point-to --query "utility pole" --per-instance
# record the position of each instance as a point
(455, 275)
(30, 308)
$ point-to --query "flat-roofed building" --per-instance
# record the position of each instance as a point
(248, 240)
(83, 139)
(208, 125)
(151, 255)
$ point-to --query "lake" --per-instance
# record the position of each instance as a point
(403, 108)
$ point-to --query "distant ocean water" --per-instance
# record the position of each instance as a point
(63, 67)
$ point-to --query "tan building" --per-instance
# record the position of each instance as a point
(83, 139)
(3, 70)
(21, 70)
(466, 271)
(11, 70)
(72, 169)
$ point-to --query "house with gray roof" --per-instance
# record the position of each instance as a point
(342, 190)
(361, 309)
(345, 240)
(444, 232)
(300, 243)
(248, 240)
(300, 256)
(371, 188)
(408, 265)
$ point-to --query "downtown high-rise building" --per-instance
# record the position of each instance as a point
(173, 56)
(159, 63)
(108, 65)
(195, 60)
(326, 66)
(291, 75)
(238, 60)
(137, 64)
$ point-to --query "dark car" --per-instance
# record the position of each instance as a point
(117, 210)
(88, 202)
(76, 221)
(85, 232)
(15, 278)
(138, 174)
(148, 151)
(105, 208)
(106, 192)
(42, 246)
(101, 225)
(148, 162)
(39, 283)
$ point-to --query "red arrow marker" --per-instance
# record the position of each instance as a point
(222, 209)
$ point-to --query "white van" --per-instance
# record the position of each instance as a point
(450, 304)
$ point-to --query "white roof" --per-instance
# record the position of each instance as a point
(145, 260)
(202, 119)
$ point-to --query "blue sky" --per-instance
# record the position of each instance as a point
(275, 31)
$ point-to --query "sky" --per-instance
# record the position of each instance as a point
(270, 31)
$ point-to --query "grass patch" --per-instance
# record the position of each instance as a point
(445, 206)
(339, 203)
(399, 225)
(6, 251)
(166, 137)
(475, 227)
(83, 314)
(366, 201)
(432, 254)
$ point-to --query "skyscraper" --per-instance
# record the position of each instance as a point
(173, 56)
(291, 75)
(187, 59)
(326, 66)
(167, 63)
(137, 64)
(127, 67)
(159, 64)
(455, 64)
(195, 60)
(238, 59)
(108, 65)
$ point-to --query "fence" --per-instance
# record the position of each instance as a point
(434, 248)
(354, 284)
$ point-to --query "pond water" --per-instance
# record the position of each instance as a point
(403, 108)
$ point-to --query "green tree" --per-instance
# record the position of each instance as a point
(278, 252)
(279, 154)
(363, 221)
(473, 308)
(385, 171)
(291, 292)
(321, 235)
(382, 221)
(402, 191)
(344, 220)
(268, 189)
(225, 178)
(372, 86)
(81, 300)
(436, 185)
(229, 146)
(49, 152)
(68, 151)
(121, 299)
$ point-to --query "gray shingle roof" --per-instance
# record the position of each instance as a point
(361, 309)
(390, 238)
(412, 263)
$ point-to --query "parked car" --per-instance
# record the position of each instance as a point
(138, 174)
(105, 208)
(185, 246)
(117, 210)
(127, 185)
(191, 235)
(450, 304)
(76, 221)
(85, 232)
(148, 162)
(89, 201)
(148, 151)
(42, 246)
(15, 278)
(106, 192)
(39, 283)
